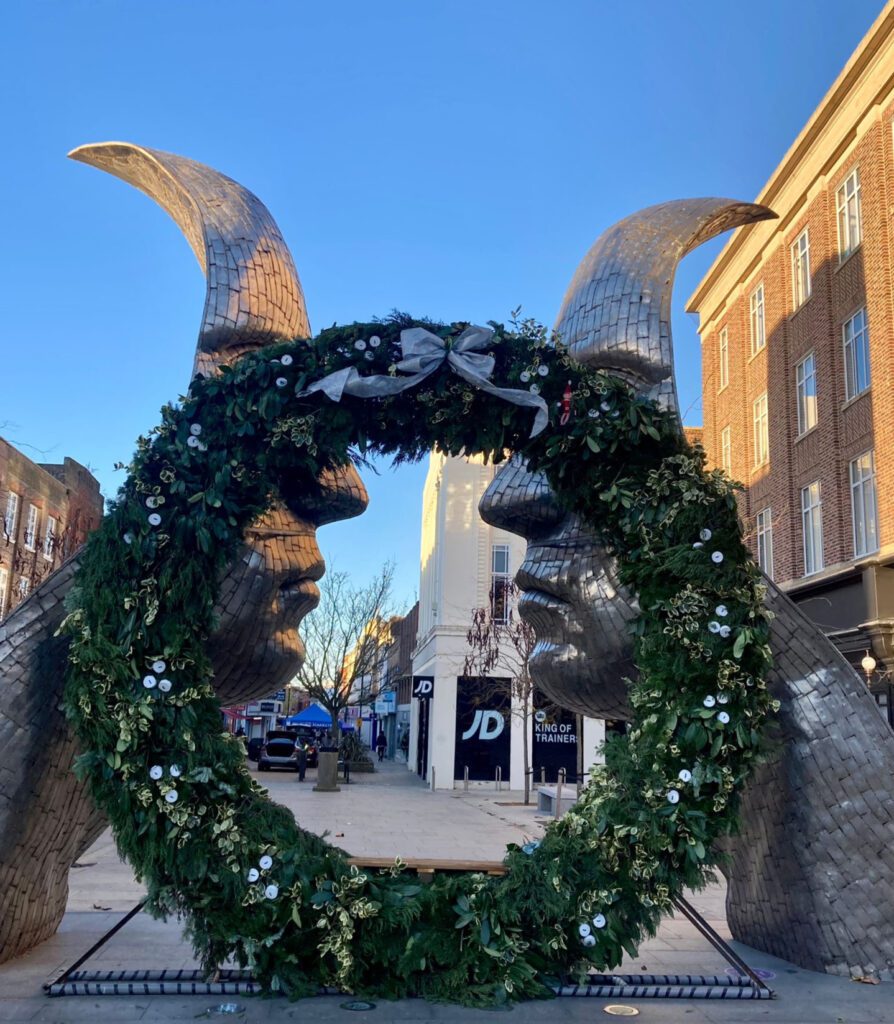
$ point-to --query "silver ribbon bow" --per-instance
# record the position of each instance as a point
(423, 352)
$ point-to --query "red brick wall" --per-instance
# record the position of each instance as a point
(843, 430)
(68, 492)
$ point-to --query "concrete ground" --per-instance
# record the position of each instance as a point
(392, 813)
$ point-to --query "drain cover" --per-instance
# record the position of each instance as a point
(358, 1004)
(225, 1008)
(617, 1010)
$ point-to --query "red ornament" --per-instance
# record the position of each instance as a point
(566, 405)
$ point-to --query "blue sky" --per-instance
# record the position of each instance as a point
(449, 159)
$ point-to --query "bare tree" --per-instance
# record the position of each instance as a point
(345, 638)
(499, 637)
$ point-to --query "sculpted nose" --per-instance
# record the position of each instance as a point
(337, 493)
(520, 501)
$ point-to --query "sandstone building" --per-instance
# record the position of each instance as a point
(46, 512)
(797, 331)
(460, 722)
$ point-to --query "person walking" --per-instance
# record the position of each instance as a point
(302, 760)
(381, 744)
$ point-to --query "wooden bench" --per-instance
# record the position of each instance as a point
(425, 868)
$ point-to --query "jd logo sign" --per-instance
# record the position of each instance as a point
(482, 734)
(488, 725)
(423, 687)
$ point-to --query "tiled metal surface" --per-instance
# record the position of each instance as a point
(616, 312)
(811, 876)
(46, 817)
(253, 295)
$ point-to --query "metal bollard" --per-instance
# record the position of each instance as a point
(499, 778)
(432, 777)
(542, 776)
(466, 778)
(559, 783)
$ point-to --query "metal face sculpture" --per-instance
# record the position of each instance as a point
(254, 297)
(810, 879)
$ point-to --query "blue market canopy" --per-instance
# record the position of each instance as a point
(313, 714)
(316, 717)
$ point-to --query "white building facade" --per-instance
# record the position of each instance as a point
(459, 723)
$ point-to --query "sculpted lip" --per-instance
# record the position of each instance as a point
(548, 615)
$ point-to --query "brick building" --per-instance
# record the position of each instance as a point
(797, 333)
(46, 512)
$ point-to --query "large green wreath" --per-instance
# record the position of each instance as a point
(209, 843)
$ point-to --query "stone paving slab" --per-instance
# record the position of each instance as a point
(386, 814)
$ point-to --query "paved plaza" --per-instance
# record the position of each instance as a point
(387, 814)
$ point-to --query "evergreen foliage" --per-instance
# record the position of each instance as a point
(251, 884)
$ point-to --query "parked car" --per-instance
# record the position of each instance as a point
(279, 751)
(290, 737)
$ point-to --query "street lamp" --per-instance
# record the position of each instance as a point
(869, 664)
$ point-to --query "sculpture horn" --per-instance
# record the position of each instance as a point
(616, 312)
(253, 294)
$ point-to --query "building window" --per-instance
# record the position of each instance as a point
(11, 519)
(499, 583)
(863, 504)
(812, 525)
(758, 333)
(4, 584)
(764, 522)
(850, 217)
(726, 451)
(761, 430)
(23, 587)
(723, 352)
(801, 268)
(805, 378)
(31, 527)
(49, 539)
(856, 355)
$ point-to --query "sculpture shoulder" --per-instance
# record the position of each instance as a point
(821, 694)
(38, 617)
